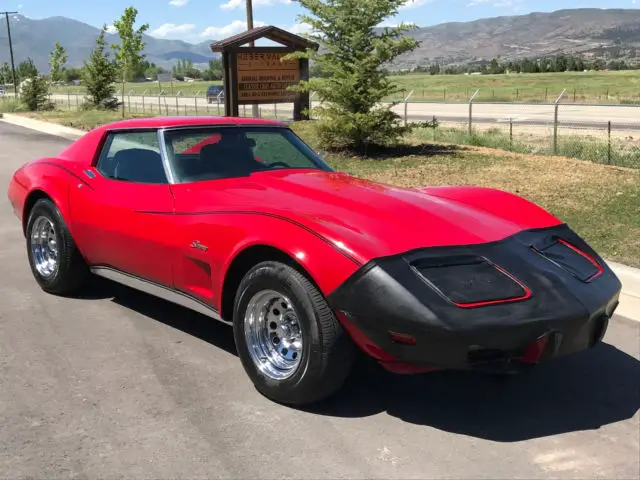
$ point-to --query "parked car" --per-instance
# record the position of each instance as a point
(215, 93)
(238, 219)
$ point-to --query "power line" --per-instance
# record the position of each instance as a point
(13, 67)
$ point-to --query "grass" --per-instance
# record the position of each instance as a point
(601, 202)
(595, 87)
(621, 152)
(10, 105)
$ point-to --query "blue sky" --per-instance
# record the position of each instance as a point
(198, 20)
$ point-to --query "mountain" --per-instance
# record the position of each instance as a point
(35, 39)
(589, 31)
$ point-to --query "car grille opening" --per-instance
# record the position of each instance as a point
(469, 280)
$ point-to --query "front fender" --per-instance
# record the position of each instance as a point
(227, 235)
(506, 205)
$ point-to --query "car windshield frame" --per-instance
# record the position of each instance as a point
(315, 162)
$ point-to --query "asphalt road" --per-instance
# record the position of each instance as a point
(622, 117)
(121, 384)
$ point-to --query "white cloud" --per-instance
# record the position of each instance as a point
(111, 29)
(170, 30)
(234, 27)
(178, 3)
(495, 3)
(233, 4)
(21, 6)
(300, 28)
(414, 4)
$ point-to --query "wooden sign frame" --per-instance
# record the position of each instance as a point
(271, 80)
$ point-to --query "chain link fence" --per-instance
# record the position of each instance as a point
(608, 134)
(527, 94)
(166, 105)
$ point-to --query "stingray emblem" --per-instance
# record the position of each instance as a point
(199, 246)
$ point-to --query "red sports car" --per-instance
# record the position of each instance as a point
(240, 220)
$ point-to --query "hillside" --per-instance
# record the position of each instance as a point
(594, 32)
(35, 39)
(587, 31)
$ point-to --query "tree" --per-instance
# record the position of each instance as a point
(57, 61)
(100, 74)
(26, 69)
(354, 53)
(129, 52)
(5, 74)
(71, 74)
(153, 70)
(34, 92)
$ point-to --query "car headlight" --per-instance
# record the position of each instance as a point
(569, 258)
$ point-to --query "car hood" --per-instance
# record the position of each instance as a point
(369, 219)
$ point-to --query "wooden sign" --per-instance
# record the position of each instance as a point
(264, 77)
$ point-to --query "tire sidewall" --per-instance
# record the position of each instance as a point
(45, 208)
(278, 277)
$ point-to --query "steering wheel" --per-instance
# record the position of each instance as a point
(277, 163)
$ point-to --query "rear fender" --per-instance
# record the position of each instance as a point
(48, 178)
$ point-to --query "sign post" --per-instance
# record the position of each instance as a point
(258, 75)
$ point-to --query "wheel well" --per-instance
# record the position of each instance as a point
(30, 201)
(243, 262)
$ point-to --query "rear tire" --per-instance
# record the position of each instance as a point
(55, 261)
(290, 343)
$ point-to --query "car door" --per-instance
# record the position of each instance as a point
(116, 214)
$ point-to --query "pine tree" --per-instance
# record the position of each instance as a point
(354, 52)
(100, 74)
(34, 93)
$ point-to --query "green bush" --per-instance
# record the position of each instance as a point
(35, 94)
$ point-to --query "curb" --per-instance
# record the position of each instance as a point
(629, 276)
(42, 126)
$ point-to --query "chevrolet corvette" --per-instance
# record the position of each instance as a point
(240, 220)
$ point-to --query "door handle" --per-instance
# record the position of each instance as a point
(89, 173)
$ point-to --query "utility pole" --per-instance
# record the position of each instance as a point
(13, 66)
(255, 110)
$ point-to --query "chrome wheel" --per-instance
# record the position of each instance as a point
(273, 334)
(44, 247)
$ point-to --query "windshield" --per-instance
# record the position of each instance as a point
(226, 152)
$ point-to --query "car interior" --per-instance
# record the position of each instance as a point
(231, 156)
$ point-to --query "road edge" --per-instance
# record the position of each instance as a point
(41, 126)
(629, 276)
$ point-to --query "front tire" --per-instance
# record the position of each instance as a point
(289, 341)
(54, 259)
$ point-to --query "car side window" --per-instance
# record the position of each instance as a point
(132, 157)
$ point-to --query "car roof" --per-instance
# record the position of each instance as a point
(187, 121)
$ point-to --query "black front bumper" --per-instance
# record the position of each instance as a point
(386, 297)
